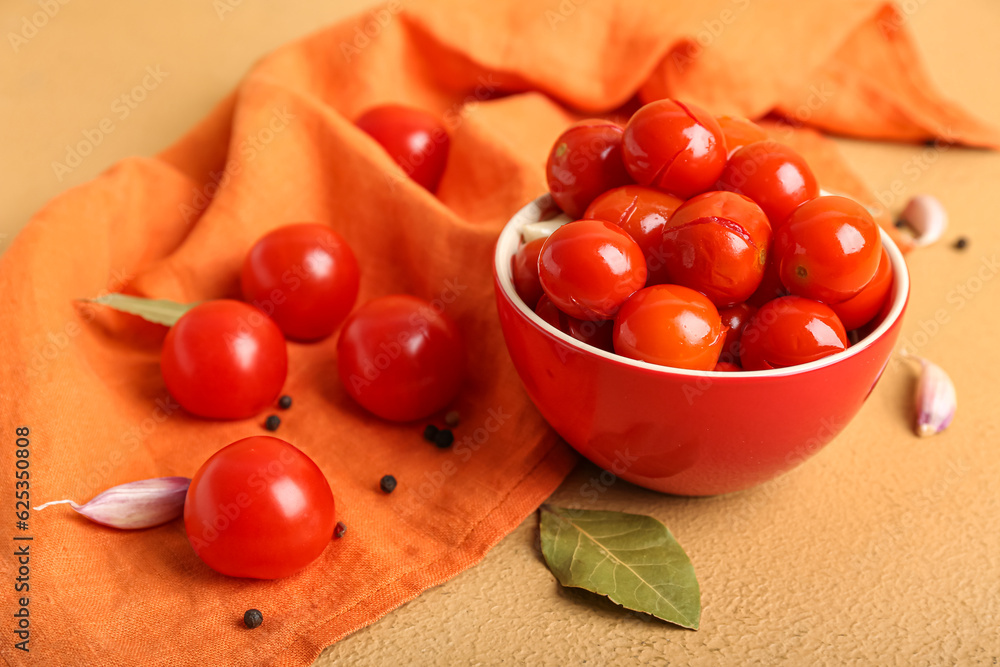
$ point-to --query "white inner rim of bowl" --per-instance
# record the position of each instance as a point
(510, 239)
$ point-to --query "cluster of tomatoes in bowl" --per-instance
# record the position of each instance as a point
(698, 243)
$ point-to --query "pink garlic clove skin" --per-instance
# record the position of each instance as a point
(936, 399)
(142, 504)
(925, 215)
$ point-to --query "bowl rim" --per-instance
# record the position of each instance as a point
(543, 208)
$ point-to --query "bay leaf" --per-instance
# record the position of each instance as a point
(159, 311)
(630, 558)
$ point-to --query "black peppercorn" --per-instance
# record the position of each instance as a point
(339, 530)
(452, 418)
(444, 438)
(961, 243)
(430, 433)
(272, 423)
(388, 484)
(285, 402)
(252, 618)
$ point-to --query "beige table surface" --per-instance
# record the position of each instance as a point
(883, 549)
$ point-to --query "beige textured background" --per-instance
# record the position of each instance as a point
(883, 549)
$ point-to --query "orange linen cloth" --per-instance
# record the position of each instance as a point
(283, 149)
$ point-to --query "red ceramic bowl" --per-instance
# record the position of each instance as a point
(679, 431)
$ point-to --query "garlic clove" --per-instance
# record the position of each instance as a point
(936, 399)
(142, 504)
(926, 218)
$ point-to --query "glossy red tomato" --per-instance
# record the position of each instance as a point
(670, 325)
(866, 304)
(789, 331)
(734, 320)
(773, 175)
(597, 334)
(717, 243)
(828, 249)
(642, 212)
(415, 139)
(739, 132)
(259, 508)
(401, 357)
(585, 161)
(224, 360)
(524, 269)
(674, 147)
(305, 277)
(589, 267)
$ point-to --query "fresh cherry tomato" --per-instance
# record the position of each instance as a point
(828, 249)
(259, 508)
(642, 212)
(597, 334)
(739, 132)
(305, 277)
(773, 175)
(674, 147)
(415, 139)
(589, 267)
(789, 331)
(524, 269)
(670, 325)
(401, 357)
(224, 360)
(866, 304)
(585, 161)
(726, 367)
(734, 319)
(717, 243)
